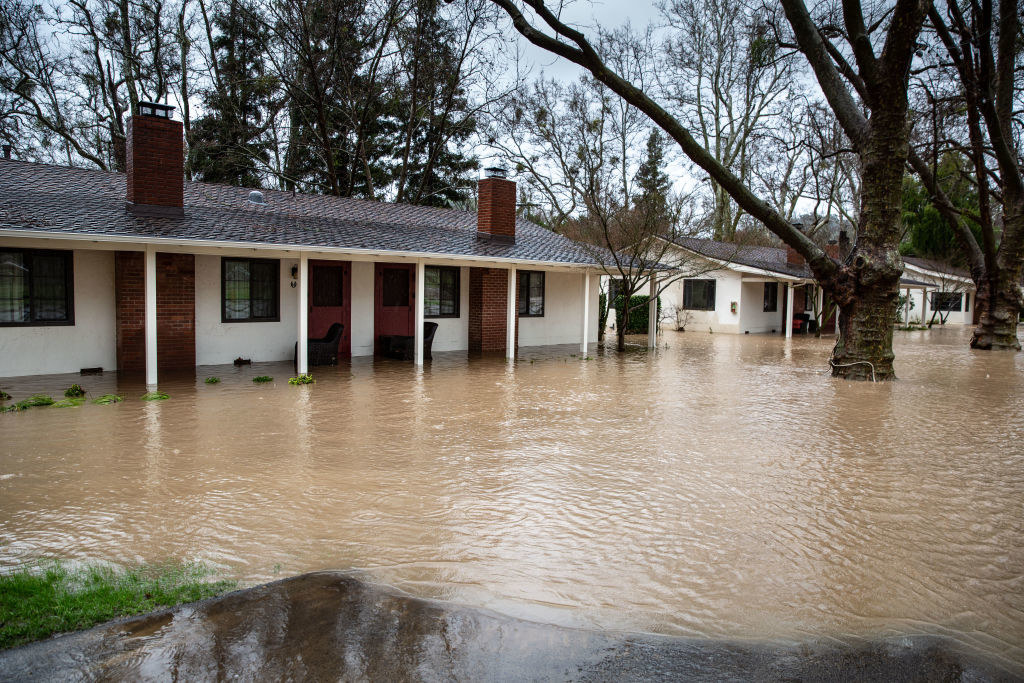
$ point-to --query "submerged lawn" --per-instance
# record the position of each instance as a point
(38, 602)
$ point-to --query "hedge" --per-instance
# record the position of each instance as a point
(638, 314)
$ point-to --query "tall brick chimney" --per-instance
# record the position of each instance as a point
(156, 162)
(496, 207)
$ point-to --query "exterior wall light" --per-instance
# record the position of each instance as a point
(732, 307)
(295, 277)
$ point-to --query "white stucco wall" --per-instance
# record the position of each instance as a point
(722, 319)
(754, 318)
(90, 342)
(218, 343)
(562, 322)
(453, 333)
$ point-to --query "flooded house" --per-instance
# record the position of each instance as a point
(142, 271)
(747, 289)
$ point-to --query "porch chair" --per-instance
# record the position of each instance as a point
(322, 351)
(403, 347)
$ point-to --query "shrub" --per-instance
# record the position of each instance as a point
(34, 402)
(107, 399)
(4, 396)
(74, 391)
(154, 396)
(262, 379)
(638, 313)
(69, 402)
(301, 379)
(212, 380)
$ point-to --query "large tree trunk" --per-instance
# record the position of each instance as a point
(999, 301)
(867, 289)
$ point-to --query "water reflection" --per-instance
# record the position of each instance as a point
(720, 486)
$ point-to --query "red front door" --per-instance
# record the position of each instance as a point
(394, 294)
(330, 301)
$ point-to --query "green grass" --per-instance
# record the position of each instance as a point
(154, 396)
(212, 380)
(107, 399)
(69, 402)
(301, 379)
(51, 598)
(4, 396)
(262, 379)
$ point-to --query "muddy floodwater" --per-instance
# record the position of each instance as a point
(722, 486)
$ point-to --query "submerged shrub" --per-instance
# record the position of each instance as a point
(34, 402)
(154, 396)
(69, 402)
(107, 399)
(212, 380)
(301, 379)
(4, 396)
(74, 391)
(262, 379)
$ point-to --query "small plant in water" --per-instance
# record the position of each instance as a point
(4, 396)
(74, 391)
(69, 402)
(212, 380)
(154, 396)
(301, 379)
(107, 399)
(262, 379)
(35, 401)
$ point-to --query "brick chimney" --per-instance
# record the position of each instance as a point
(496, 207)
(793, 257)
(156, 162)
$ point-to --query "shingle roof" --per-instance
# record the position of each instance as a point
(937, 266)
(60, 199)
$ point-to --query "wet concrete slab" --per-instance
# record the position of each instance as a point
(332, 626)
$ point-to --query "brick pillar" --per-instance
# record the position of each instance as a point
(130, 316)
(488, 289)
(175, 311)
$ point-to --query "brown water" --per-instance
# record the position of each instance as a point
(722, 486)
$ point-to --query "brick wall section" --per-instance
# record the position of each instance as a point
(496, 209)
(794, 258)
(175, 311)
(130, 316)
(488, 291)
(155, 161)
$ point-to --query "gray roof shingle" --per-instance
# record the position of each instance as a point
(61, 199)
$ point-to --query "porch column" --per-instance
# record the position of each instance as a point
(789, 309)
(510, 322)
(586, 312)
(302, 362)
(421, 284)
(652, 313)
(906, 307)
(924, 306)
(151, 375)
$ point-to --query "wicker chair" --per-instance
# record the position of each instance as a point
(403, 347)
(323, 351)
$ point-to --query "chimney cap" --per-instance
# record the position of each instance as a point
(161, 111)
(495, 172)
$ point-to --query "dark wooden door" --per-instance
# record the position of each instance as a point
(394, 297)
(330, 300)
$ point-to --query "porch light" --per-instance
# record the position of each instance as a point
(161, 111)
(295, 277)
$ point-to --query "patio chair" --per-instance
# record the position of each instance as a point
(323, 351)
(404, 346)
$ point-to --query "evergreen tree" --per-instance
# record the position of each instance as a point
(229, 144)
(927, 233)
(653, 185)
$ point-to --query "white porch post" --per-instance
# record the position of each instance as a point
(510, 322)
(586, 312)
(906, 307)
(303, 319)
(924, 306)
(789, 309)
(151, 375)
(652, 313)
(421, 282)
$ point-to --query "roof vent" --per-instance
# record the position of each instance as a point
(256, 197)
(495, 172)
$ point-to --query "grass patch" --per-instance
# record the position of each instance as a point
(4, 396)
(36, 401)
(69, 402)
(107, 399)
(74, 391)
(154, 396)
(301, 379)
(212, 380)
(262, 379)
(37, 603)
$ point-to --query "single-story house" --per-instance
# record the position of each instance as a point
(949, 291)
(746, 289)
(141, 271)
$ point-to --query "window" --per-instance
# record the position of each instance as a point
(946, 301)
(699, 295)
(327, 286)
(531, 293)
(441, 295)
(615, 289)
(771, 297)
(395, 287)
(249, 289)
(36, 287)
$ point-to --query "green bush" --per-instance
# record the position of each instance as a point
(212, 380)
(70, 402)
(74, 391)
(4, 396)
(638, 313)
(35, 402)
(262, 379)
(301, 379)
(154, 396)
(107, 399)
